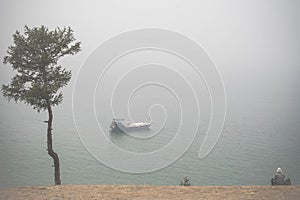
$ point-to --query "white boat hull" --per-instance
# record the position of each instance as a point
(124, 126)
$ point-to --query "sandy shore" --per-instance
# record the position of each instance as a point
(122, 192)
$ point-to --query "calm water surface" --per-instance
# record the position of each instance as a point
(258, 137)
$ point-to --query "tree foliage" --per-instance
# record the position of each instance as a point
(34, 56)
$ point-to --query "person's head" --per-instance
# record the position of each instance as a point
(279, 170)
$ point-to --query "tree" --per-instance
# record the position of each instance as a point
(34, 56)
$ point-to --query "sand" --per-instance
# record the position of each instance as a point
(122, 192)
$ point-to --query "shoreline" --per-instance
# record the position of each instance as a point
(150, 192)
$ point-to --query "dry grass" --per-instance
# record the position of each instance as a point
(122, 192)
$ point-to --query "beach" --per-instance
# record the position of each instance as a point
(123, 192)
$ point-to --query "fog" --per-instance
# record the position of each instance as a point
(255, 44)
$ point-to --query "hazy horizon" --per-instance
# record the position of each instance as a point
(254, 44)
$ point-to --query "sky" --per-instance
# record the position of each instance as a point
(255, 44)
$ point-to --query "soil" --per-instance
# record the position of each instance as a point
(122, 192)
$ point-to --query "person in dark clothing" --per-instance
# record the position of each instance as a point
(279, 177)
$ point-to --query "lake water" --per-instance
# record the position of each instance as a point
(258, 137)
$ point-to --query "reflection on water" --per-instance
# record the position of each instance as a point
(145, 139)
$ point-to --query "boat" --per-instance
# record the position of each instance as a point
(123, 125)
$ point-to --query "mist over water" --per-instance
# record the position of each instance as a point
(255, 46)
(251, 146)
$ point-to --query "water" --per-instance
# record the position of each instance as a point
(255, 141)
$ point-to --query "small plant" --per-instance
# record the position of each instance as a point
(185, 182)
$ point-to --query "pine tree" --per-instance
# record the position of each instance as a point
(34, 55)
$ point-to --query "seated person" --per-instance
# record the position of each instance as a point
(279, 177)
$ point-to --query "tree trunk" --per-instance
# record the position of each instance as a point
(50, 149)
